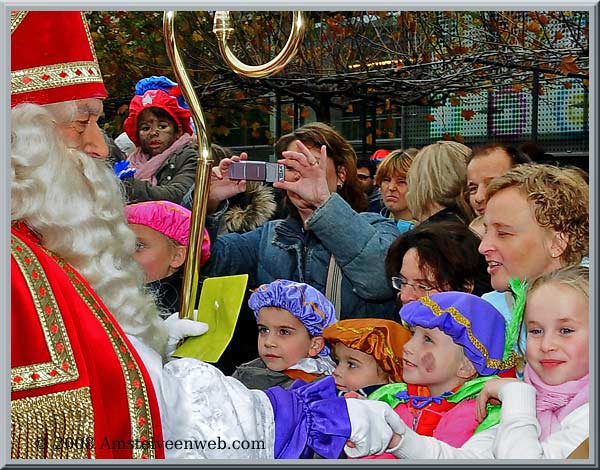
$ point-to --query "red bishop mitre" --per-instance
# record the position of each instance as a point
(52, 58)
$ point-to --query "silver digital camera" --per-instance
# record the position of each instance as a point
(256, 171)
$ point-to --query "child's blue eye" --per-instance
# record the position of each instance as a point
(566, 331)
(263, 330)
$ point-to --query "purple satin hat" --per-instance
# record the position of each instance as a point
(470, 321)
(305, 302)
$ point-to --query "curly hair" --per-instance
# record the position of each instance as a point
(438, 175)
(316, 134)
(560, 199)
(73, 202)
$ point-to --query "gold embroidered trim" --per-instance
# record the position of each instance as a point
(135, 385)
(15, 19)
(53, 426)
(54, 76)
(86, 26)
(371, 329)
(62, 367)
(459, 318)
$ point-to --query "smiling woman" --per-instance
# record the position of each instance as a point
(536, 221)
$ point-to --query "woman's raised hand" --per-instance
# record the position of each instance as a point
(306, 175)
(221, 187)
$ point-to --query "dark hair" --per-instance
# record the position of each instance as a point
(368, 164)
(534, 151)
(449, 250)
(516, 155)
(316, 134)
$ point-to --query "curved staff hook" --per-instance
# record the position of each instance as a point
(222, 28)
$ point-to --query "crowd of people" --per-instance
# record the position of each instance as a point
(431, 305)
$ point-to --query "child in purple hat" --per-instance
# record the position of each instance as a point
(291, 317)
(459, 342)
(162, 229)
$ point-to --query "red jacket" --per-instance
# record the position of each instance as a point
(78, 387)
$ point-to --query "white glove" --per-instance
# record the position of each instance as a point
(373, 425)
(182, 328)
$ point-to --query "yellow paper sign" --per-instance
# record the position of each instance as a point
(220, 303)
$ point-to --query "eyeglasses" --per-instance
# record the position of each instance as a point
(363, 177)
(400, 283)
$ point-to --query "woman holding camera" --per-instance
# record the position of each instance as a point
(326, 241)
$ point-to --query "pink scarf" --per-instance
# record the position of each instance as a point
(555, 402)
(147, 167)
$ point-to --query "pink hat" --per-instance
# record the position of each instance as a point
(168, 218)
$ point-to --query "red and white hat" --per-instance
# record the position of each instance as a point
(156, 99)
(52, 58)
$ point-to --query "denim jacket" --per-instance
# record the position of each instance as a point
(282, 249)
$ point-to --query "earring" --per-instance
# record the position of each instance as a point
(340, 185)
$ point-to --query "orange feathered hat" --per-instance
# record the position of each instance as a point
(382, 339)
(52, 58)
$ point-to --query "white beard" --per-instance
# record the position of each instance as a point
(74, 203)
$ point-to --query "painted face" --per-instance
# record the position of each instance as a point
(282, 339)
(355, 369)
(156, 135)
(365, 179)
(331, 175)
(155, 253)
(557, 322)
(82, 132)
(393, 194)
(432, 359)
(513, 243)
(480, 171)
(419, 282)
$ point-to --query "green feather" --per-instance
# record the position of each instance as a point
(519, 289)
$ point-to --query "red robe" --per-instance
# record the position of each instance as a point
(78, 387)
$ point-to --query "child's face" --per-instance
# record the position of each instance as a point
(283, 339)
(556, 318)
(432, 359)
(155, 253)
(355, 369)
(156, 135)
